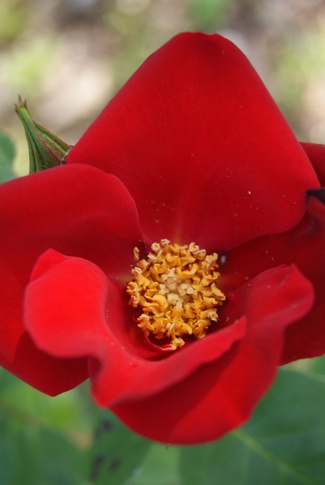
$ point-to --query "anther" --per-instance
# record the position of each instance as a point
(177, 292)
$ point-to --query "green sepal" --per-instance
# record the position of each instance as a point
(46, 150)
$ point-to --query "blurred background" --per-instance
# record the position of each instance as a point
(69, 57)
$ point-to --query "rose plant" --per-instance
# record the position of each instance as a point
(192, 154)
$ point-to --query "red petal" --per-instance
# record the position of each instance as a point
(64, 301)
(78, 210)
(303, 246)
(201, 146)
(316, 154)
(221, 395)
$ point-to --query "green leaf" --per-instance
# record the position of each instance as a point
(314, 366)
(159, 467)
(7, 155)
(63, 413)
(7, 456)
(284, 443)
(42, 439)
(116, 453)
(31, 453)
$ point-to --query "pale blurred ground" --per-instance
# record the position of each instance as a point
(69, 57)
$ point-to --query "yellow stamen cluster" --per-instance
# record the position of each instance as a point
(176, 289)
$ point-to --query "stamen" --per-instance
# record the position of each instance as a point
(176, 290)
(136, 254)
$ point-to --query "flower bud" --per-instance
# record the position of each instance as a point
(46, 150)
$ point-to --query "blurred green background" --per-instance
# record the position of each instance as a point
(68, 58)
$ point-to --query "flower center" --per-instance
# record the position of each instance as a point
(175, 287)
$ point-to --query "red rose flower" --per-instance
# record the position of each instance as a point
(191, 150)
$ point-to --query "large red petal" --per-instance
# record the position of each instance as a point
(79, 210)
(316, 154)
(221, 395)
(303, 246)
(201, 146)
